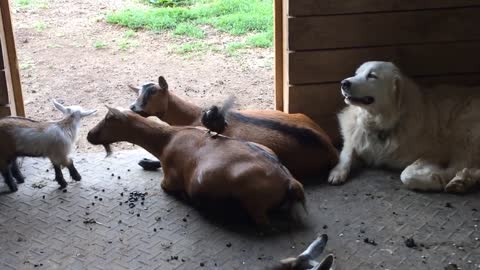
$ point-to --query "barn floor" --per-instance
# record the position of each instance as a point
(91, 227)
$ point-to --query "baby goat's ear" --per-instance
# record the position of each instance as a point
(59, 106)
(162, 83)
(87, 113)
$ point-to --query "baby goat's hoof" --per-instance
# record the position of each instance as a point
(13, 188)
(20, 180)
(63, 184)
(77, 177)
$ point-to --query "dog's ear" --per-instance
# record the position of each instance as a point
(397, 89)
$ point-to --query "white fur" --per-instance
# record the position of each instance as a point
(433, 134)
(54, 140)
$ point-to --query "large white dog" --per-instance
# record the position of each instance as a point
(433, 134)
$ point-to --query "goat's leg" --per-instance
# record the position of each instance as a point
(7, 176)
(16, 171)
(73, 171)
(149, 164)
(59, 176)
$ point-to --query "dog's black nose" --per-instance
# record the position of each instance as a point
(345, 84)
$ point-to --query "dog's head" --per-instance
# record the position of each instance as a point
(375, 87)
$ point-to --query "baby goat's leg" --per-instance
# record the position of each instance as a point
(73, 171)
(16, 172)
(7, 176)
(59, 176)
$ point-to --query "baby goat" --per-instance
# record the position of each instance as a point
(23, 137)
(206, 168)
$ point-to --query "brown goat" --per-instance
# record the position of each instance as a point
(204, 167)
(302, 146)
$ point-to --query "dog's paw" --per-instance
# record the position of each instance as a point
(338, 176)
(457, 185)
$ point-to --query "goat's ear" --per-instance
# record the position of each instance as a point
(113, 113)
(162, 83)
(133, 88)
(59, 106)
(87, 113)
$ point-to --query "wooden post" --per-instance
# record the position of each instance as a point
(278, 39)
(10, 60)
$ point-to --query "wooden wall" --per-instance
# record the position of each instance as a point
(326, 40)
(11, 99)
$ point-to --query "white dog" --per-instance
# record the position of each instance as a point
(433, 135)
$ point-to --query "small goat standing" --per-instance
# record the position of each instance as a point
(23, 137)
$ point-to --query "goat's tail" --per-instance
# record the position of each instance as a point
(296, 199)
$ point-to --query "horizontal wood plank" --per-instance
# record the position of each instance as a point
(3, 89)
(317, 99)
(328, 7)
(416, 60)
(367, 30)
(322, 102)
(4, 110)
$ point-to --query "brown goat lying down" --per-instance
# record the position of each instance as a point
(302, 146)
(204, 167)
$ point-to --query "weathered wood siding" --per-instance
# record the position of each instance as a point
(436, 41)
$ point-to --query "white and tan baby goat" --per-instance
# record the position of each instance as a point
(23, 137)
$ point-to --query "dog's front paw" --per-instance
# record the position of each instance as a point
(338, 176)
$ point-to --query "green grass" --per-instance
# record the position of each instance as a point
(30, 3)
(190, 30)
(98, 44)
(191, 47)
(129, 34)
(249, 19)
(40, 26)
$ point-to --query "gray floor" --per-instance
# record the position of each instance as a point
(44, 228)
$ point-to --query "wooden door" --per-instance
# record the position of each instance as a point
(11, 100)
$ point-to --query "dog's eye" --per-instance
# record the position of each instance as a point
(371, 76)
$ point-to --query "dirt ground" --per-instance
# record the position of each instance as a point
(58, 59)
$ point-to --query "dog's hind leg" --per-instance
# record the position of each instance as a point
(464, 181)
(426, 176)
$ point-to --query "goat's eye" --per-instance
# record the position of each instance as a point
(371, 76)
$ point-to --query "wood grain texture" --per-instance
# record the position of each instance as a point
(278, 38)
(3, 89)
(4, 110)
(416, 60)
(381, 29)
(328, 7)
(10, 59)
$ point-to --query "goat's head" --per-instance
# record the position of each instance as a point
(307, 260)
(76, 111)
(152, 99)
(107, 131)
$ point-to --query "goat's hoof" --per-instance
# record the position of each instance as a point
(20, 180)
(13, 188)
(77, 177)
(149, 165)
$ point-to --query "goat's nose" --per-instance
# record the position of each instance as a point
(132, 108)
(345, 84)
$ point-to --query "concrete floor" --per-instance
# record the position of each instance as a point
(42, 227)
